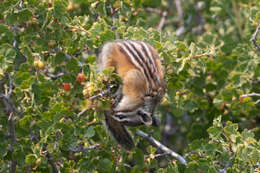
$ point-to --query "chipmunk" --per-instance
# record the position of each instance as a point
(143, 87)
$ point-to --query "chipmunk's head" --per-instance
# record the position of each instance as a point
(141, 115)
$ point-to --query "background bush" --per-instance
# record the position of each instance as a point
(210, 64)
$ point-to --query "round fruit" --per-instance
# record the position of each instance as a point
(40, 64)
(80, 77)
(66, 86)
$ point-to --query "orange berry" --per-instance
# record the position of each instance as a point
(80, 77)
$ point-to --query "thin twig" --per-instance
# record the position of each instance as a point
(103, 93)
(257, 101)
(201, 55)
(82, 149)
(52, 76)
(8, 102)
(113, 12)
(254, 37)
(160, 146)
(10, 86)
(252, 95)
(10, 111)
(154, 10)
(50, 160)
(80, 29)
(179, 12)
(85, 110)
(11, 130)
(162, 21)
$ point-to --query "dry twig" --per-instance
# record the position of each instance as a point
(252, 95)
(82, 149)
(10, 109)
(162, 21)
(254, 37)
(162, 147)
(179, 12)
(50, 160)
(154, 10)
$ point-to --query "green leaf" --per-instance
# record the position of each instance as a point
(73, 65)
(25, 121)
(190, 106)
(30, 158)
(24, 79)
(90, 132)
(231, 128)
(59, 58)
(7, 56)
(139, 157)
(24, 14)
(214, 132)
(5, 33)
(247, 134)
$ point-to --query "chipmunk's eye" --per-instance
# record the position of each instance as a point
(121, 116)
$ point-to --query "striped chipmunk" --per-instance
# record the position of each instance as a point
(143, 87)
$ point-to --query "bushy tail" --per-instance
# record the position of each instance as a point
(119, 132)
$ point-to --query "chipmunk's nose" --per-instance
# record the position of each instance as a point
(146, 117)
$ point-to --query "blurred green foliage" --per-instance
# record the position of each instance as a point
(208, 67)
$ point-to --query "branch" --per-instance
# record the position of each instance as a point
(8, 102)
(252, 95)
(160, 146)
(154, 10)
(82, 149)
(10, 111)
(11, 130)
(179, 12)
(103, 93)
(254, 36)
(113, 12)
(49, 159)
(162, 21)
(85, 110)
(52, 76)
(75, 28)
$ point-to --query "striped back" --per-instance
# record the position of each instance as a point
(143, 57)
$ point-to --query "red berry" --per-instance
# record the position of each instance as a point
(66, 86)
